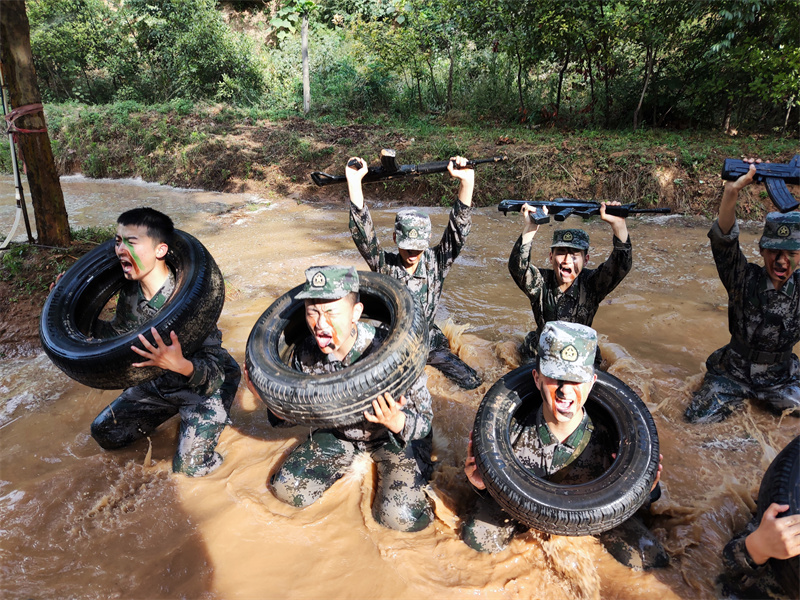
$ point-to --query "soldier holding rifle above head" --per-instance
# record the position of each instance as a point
(763, 316)
(567, 291)
(421, 267)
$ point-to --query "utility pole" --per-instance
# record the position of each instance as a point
(28, 124)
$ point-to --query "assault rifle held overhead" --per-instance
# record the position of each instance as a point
(561, 208)
(775, 176)
(389, 169)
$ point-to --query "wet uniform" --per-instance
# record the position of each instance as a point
(579, 303)
(583, 456)
(427, 281)
(403, 460)
(202, 400)
(764, 324)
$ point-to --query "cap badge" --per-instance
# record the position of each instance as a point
(318, 280)
(413, 234)
(569, 353)
(567, 237)
(783, 231)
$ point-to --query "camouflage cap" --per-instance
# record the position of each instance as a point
(329, 283)
(567, 351)
(570, 238)
(412, 229)
(781, 231)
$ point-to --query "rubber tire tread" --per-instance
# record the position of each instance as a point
(584, 509)
(78, 298)
(781, 485)
(339, 398)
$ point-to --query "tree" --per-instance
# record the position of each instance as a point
(285, 21)
(52, 225)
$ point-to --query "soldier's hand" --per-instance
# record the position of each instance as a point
(355, 173)
(52, 285)
(466, 175)
(658, 472)
(745, 179)
(388, 413)
(618, 224)
(527, 211)
(165, 357)
(471, 469)
(775, 537)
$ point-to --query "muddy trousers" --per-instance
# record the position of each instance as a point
(721, 394)
(490, 529)
(139, 410)
(442, 358)
(400, 501)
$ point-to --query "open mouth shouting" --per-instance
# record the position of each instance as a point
(325, 338)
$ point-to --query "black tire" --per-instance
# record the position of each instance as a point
(583, 509)
(76, 301)
(781, 484)
(340, 398)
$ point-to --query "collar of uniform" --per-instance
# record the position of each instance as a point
(573, 440)
(161, 296)
(787, 289)
(422, 269)
(365, 333)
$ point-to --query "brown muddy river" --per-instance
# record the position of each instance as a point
(78, 521)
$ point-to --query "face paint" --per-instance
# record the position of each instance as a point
(335, 333)
(132, 252)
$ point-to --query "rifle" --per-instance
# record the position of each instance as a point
(775, 176)
(561, 208)
(389, 169)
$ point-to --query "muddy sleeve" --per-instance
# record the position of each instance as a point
(608, 276)
(418, 411)
(209, 368)
(363, 232)
(728, 257)
(124, 317)
(454, 236)
(735, 557)
(528, 279)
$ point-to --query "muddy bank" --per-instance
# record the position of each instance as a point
(233, 150)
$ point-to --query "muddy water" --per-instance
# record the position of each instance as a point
(79, 521)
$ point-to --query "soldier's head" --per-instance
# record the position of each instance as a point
(142, 242)
(569, 253)
(412, 234)
(780, 246)
(564, 372)
(332, 307)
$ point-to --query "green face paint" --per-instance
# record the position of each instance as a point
(133, 254)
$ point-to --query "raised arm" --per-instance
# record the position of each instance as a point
(730, 197)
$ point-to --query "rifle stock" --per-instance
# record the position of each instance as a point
(389, 169)
(775, 176)
(561, 208)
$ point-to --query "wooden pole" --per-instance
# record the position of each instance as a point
(52, 225)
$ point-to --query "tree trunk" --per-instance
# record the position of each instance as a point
(561, 81)
(436, 97)
(52, 225)
(449, 104)
(726, 120)
(522, 111)
(788, 113)
(648, 69)
(306, 76)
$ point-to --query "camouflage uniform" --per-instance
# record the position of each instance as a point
(583, 456)
(579, 303)
(202, 400)
(764, 324)
(743, 578)
(403, 460)
(413, 230)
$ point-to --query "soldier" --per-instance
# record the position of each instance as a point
(560, 443)
(751, 557)
(420, 267)
(199, 387)
(763, 317)
(567, 291)
(397, 433)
